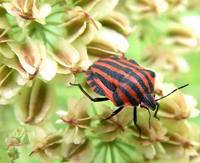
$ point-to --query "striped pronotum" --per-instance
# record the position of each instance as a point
(123, 81)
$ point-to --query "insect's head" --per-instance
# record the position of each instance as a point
(149, 102)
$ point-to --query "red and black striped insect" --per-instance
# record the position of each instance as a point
(123, 82)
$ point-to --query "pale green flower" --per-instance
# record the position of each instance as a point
(77, 120)
(35, 103)
(9, 85)
(49, 147)
(27, 10)
(161, 59)
(113, 128)
(76, 153)
(177, 105)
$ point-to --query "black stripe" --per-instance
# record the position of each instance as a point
(129, 71)
(150, 84)
(99, 90)
(111, 87)
(132, 100)
(89, 77)
(137, 69)
(152, 74)
(92, 83)
(129, 64)
(107, 83)
(132, 62)
(148, 80)
(117, 76)
(117, 99)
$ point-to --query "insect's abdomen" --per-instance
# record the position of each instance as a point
(123, 81)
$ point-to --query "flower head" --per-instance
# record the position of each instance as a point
(77, 120)
(113, 128)
(27, 10)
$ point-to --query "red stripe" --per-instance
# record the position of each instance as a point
(107, 92)
(133, 69)
(90, 81)
(150, 77)
(123, 97)
(117, 84)
(126, 62)
(132, 79)
(120, 93)
(106, 76)
(93, 87)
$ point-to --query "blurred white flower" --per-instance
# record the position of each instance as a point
(182, 64)
(61, 113)
(115, 40)
(193, 23)
(48, 69)
(191, 105)
(161, 5)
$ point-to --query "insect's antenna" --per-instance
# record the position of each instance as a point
(172, 92)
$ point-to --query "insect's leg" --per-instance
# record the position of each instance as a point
(91, 98)
(156, 111)
(115, 112)
(135, 120)
(149, 117)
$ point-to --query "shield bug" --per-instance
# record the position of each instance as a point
(125, 83)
